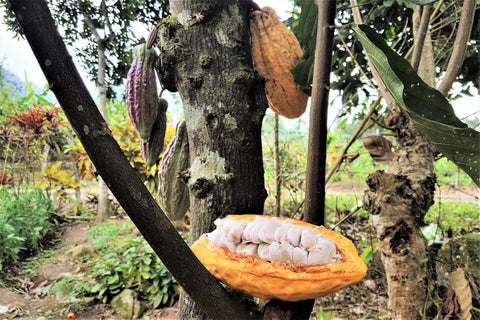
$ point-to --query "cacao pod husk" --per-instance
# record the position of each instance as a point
(152, 148)
(276, 50)
(284, 281)
(141, 95)
(173, 192)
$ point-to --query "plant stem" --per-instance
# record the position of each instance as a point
(317, 139)
(422, 32)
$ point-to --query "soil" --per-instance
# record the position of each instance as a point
(26, 293)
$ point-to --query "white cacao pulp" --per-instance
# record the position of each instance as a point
(274, 240)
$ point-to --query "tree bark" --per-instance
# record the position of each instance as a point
(314, 211)
(397, 201)
(278, 176)
(205, 53)
(103, 207)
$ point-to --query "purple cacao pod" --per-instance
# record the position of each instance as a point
(141, 96)
(153, 147)
(173, 193)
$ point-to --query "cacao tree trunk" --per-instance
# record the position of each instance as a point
(103, 207)
(205, 53)
(398, 199)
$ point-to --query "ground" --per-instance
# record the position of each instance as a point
(22, 291)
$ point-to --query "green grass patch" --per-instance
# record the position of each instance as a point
(455, 215)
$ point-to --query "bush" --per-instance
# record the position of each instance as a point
(25, 218)
(125, 262)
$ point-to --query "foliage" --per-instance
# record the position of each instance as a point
(25, 218)
(427, 108)
(454, 215)
(125, 262)
(55, 184)
(128, 140)
(87, 24)
(348, 59)
(321, 315)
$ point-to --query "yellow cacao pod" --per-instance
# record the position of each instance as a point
(275, 50)
(292, 279)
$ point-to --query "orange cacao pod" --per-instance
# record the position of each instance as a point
(276, 50)
(289, 280)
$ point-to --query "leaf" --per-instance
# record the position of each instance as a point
(380, 149)
(427, 108)
(367, 254)
(306, 33)
(432, 232)
(463, 293)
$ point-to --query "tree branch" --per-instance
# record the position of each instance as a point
(422, 32)
(108, 158)
(459, 46)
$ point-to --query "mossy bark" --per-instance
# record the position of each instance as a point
(398, 201)
(205, 55)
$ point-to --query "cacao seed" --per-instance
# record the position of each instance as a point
(279, 270)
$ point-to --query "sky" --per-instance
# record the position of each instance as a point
(16, 56)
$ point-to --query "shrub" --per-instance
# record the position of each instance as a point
(25, 218)
(125, 262)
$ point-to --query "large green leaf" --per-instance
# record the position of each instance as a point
(306, 34)
(428, 109)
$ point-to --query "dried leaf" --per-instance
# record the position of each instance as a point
(379, 148)
(460, 286)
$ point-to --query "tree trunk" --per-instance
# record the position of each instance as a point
(46, 153)
(398, 201)
(278, 176)
(205, 53)
(103, 207)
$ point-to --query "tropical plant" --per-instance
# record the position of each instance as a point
(26, 216)
(125, 262)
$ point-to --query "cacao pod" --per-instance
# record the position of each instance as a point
(153, 147)
(173, 193)
(141, 95)
(279, 258)
(276, 50)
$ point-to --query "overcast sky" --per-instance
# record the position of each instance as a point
(18, 58)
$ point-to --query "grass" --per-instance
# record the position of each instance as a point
(455, 215)
(459, 216)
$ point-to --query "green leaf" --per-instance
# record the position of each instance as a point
(367, 254)
(432, 232)
(306, 33)
(27, 85)
(428, 109)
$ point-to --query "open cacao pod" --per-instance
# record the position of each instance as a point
(276, 50)
(303, 261)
